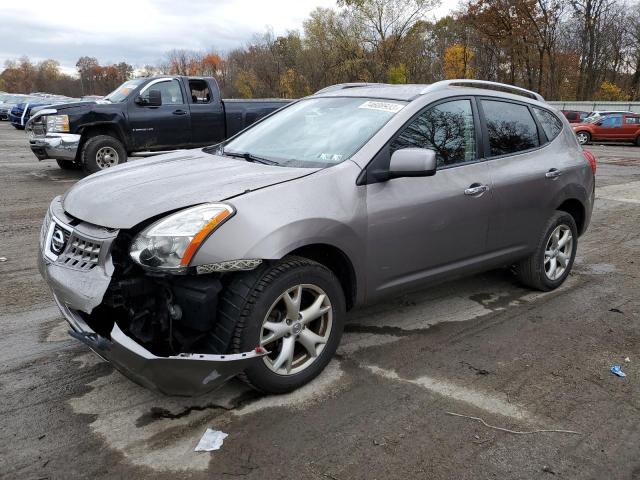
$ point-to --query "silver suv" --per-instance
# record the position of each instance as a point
(243, 258)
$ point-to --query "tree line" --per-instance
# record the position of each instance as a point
(564, 49)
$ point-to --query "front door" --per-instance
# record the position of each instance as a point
(163, 127)
(423, 228)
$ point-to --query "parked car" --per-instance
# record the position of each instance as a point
(22, 112)
(618, 127)
(8, 102)
(575, 116)
(189, 268)
(145, 114)
(598, 114)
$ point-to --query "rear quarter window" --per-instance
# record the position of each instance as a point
(549, 122)
(510, 126)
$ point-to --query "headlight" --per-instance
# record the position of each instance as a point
(57, 123)
(170, 243)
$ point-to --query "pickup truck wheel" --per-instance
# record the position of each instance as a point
(583, 137)
(550, 264)
(67, 164)
(638, 141)
(295, 309)
(18, 127)
(102, 152)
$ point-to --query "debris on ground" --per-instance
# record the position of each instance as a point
(510, 431)
(3, 259)
(627, 359)
(547, 469)
(211, 440)
(617, 370)
(615, 310)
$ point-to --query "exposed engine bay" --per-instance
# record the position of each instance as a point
(166, 314)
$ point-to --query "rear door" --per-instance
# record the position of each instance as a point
(207, 112)
(163, 127)
(630, 127)
(423, 227)
(525, 177)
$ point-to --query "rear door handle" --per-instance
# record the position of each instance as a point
(179, 112)
(553, 173)
(476, 189)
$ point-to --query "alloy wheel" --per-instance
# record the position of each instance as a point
(107, 157)
(296, 329)
(583, 138)
(558, 251)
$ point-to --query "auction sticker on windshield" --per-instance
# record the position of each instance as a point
(384, 106)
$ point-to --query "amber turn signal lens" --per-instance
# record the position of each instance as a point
(202, 235)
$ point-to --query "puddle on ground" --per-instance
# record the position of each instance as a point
(161, 432)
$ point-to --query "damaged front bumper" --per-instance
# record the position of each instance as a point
(186, 374)
(79, 273)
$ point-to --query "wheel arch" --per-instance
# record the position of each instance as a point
(335, 260)
(92, 130)
(577, 210)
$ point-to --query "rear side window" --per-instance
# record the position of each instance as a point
(446, 128)
(510, 126)
(612, 121)
(633, 120)
(571, 115)
(550, 123)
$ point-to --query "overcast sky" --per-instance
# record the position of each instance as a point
(141, 31)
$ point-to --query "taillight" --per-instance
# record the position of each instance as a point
(591, 158)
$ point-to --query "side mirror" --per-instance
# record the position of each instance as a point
(412, 162)
(154, 100)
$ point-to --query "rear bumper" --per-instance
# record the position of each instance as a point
(57, 146)
(186, 374)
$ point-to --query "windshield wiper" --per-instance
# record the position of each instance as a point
(249, 157)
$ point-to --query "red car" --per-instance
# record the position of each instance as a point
(575, 116)
(619, 127)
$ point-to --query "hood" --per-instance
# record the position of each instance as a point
(131, 193)
(68, 106)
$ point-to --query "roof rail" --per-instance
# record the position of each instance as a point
(343, 86)
(500, 87)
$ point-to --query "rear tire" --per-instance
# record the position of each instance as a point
(253, 305)
(548, 267)
(67, 164)
(583, 137)
(102, 152)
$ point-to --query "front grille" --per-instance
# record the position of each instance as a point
(81, 254)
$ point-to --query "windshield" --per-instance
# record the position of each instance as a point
(123, 91)
(317, 132)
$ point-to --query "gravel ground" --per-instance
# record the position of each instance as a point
(481, 347)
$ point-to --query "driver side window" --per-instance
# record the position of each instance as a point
(170, 92)
(446, 128)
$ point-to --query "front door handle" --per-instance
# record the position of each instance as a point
(476, 189)
(179, 112)
(553, 173)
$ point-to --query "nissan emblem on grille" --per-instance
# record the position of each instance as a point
(58, 241)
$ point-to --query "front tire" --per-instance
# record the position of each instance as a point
(295, 309)
(102, 152)
(549, 266)
(18, 127)
(583, 137)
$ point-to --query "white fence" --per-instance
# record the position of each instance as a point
(596, 105)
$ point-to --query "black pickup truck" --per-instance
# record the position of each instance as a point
(144, 114)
